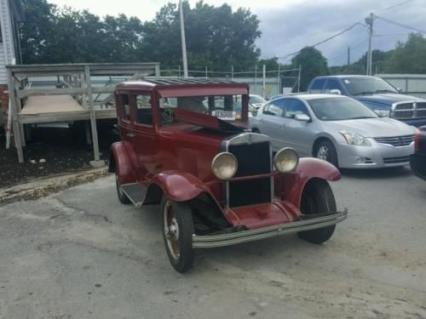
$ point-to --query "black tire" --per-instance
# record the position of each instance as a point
(179, 249)
(325, 150)
(120, 194)
(318, 198)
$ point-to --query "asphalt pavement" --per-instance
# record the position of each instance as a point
(81, 254)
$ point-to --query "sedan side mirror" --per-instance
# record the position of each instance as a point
(302, 117)
(336, 92)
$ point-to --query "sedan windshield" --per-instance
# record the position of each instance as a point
(339, 108)
(367, 85)
(257, 99)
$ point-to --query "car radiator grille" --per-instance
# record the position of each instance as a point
(409, 110)
(396, 160)
(396, 140)
(253, 159)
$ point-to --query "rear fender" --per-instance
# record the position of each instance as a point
(290, 186)
(121, 164)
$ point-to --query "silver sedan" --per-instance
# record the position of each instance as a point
(337, 129)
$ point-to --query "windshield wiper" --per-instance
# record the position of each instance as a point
(385, 91)
(362, 117)
(365, 93)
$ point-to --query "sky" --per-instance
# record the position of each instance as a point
(289, 25)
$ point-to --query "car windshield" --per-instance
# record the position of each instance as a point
(339, 108)
(224, 107)
(256, 99)
(367, 85)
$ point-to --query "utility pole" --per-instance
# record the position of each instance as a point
(299, 77)
(370, 22)
(183, 40)
(349, 55)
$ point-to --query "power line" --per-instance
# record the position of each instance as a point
(396, 5)
(400, 24)
(325, 40)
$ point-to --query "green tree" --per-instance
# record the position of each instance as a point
(37, 31)
(408, 57)
(217, 37)
(312, 63)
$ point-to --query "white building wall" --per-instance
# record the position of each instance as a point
(7, 48)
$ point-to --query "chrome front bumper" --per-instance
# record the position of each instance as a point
(244, 236)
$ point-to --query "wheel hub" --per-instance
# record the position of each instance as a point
(322, 152)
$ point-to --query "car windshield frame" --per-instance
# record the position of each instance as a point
(367, 85)
(316, 103)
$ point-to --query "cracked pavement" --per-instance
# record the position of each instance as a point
(81, 254)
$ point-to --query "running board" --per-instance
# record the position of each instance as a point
(135, 192)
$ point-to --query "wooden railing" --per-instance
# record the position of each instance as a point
(91, 85)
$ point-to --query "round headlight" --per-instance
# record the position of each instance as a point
(224, 165)
(286, 160)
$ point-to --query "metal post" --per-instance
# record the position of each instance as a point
(370, 22)
(299, 76)
(264, 82)
(232, 72)
(206, 70)
(255, 78)
(15, 119)
(183, 40)
(279, 79)
(89, 95)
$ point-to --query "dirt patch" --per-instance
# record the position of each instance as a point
(52, 151)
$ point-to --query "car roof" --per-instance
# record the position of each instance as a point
(168, 87)
(308, 96)
(344, 76)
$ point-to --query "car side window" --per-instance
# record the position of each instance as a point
(124, 107)
(144, 109)
(275, 108)
(293, 107)
(317, 85)
(333, 84)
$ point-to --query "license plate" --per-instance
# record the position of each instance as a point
(225, 115)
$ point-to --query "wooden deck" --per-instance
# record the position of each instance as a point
(71, 95)
(57, 108)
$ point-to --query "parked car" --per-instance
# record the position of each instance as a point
(418, 160)
(335, 128)
(216, 181)
(375, 93)
(256, 101)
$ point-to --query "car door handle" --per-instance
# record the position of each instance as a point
(130, 135)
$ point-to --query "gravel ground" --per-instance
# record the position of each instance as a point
(52, 151)
(80, 254)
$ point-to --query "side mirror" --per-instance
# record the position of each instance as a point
(399, 90)
(335, 91)
(302, 117)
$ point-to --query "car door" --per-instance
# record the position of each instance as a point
(297, 133)
(270, 122)
(143, 138)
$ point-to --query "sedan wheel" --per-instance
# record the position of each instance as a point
(326, 151)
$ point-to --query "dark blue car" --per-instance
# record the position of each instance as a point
(418, 160)
(375, 93)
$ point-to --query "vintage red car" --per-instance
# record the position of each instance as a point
(186, 144)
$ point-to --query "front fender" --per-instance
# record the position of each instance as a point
(179, 186)
(121, 164)
(290, 186)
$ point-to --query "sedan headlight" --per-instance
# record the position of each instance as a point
(286, 160)
(382, 113)
(224, 165)
(355, 139)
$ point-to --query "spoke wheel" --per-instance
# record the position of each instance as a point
(178, 229)
(318, 198)
(120, 194)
